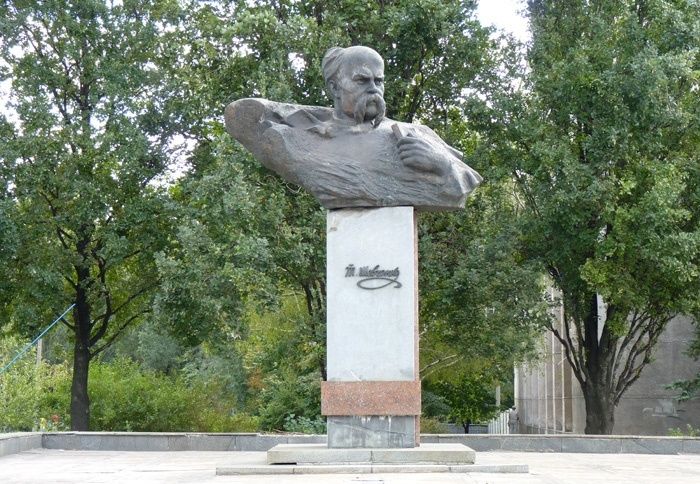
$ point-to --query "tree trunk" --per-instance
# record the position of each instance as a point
(600, 410)
(80, 401)
(315, 296)
(600, 407)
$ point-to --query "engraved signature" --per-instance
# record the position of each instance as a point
(374, 277)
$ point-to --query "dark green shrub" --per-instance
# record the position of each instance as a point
(431, 425)
(125, 397)
(32, 397)
(305, 425)
(286, 395)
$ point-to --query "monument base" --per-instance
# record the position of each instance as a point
(319, 459)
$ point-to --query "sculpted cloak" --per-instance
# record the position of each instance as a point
(348, 165)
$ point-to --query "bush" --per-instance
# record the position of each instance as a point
(287, 395)
(430, 425)
(125, 397)
(32, 397)
(305, 425)
(689, 431)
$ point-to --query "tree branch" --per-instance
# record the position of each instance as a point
(70, 326)
(450, 359)
(110, 312)
(62, 234)
(643, 346)
(119, 331)
(70, 281)
(569, 351)
(105, 318)
(635, 327)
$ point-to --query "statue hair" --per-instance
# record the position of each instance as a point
(330, 65)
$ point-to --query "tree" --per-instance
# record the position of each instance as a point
(481, 299)
(84, 158)
(469, 395)
(602, 143)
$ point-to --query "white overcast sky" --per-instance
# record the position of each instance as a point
(505, 15)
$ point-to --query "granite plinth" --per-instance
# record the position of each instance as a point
(371, 397)
(371, 287)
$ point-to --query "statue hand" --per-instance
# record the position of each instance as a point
(420, 155)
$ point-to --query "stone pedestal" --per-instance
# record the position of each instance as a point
(372, 393)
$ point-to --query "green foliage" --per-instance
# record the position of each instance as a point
(429, 425)
(433, 405)
(242, 239)
(216, 256)
(304, 425)
(690, 388)
(689, 431)
(617, 196)
(83, 161)
(8, 237)
(481, 300)
(469, 396)
(32, 397)
(285, 394)
(126, 397)
(151, 346)
(220, 368)
(283, 357)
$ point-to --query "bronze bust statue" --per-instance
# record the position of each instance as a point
(351, 155)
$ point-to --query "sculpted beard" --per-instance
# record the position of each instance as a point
(361, 108)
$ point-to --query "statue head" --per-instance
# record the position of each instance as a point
(355, 78)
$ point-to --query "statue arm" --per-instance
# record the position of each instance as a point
(258, 124)
(245, 122)
(427, 154)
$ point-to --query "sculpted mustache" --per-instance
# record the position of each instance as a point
(361, 108)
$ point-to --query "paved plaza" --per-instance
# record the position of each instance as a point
(69, 466)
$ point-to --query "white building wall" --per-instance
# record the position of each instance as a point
(549, 397)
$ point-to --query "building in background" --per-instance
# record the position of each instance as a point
(549, 399)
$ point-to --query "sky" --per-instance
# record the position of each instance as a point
(504, 14)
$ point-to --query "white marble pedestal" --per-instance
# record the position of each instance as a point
(372, 393)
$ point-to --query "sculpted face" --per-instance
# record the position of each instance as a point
(359, 86)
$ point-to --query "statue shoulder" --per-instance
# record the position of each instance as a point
(246, 119)
(253, 110)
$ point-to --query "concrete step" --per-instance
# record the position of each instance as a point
(436, 454)
(281, 469)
